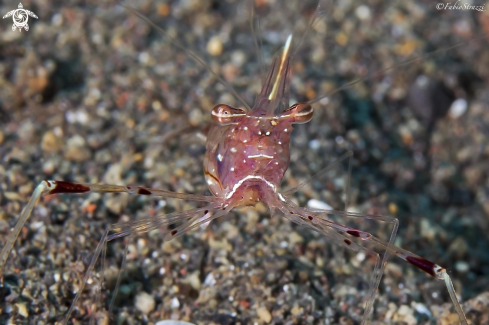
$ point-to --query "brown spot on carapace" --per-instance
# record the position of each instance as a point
(206, 212)
(310, 217)
(214, 178)
(347, 241)
(143, 191)
(174, 232)
(423, 264)
(355, 233)
(68, 187)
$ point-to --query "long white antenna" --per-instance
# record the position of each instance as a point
(274, 91)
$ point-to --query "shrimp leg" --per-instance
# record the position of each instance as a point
(59, 187)
(189, 220)
(319, 220)
(310, 219)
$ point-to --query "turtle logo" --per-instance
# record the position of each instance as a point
(20, 17)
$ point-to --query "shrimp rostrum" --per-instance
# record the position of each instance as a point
(247, 155)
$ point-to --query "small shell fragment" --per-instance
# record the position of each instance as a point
(145, 303)
(214, 46)
(316, 204)
(458, 108)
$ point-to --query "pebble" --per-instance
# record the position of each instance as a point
(360, 257)
(230, 71)
(422, 309)
(26, 189)
(91, 99)
(57, 20)
(404, 310)
(145, 58)
(22, 310)
(264, 314)
(76, 149)
(145, 302)
(295, 238)
(18, 154)
(427, 229)
(210, 280)
(314, 144)
(164, 10)
(363, 12)
(394, 269)
(295, 310)
(26, 131)
(214, 46)
(393, 208)
(50, 142)
(48, 166)
(462, 266)
(195, 117)
(231, 230)
(458, 108)
(220, 244)
(316, 204)
(238, 58)
(175, 303)
(403, 314)
(206, 294)
(170, 247)
(458, 248)
(406, 135)
(114, 174)
(12, 196)
(194, 280)
(79, 116)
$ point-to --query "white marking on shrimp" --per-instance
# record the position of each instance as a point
(238, 184)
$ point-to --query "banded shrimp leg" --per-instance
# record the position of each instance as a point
(62, 187)
(317, 220)
(320, 221)
(188, 221)
(302, 216)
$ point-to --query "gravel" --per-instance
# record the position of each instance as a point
(92, 93)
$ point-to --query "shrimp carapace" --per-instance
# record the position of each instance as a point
(248, 153)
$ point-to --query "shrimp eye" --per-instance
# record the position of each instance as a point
(224, 114)
(299, 113)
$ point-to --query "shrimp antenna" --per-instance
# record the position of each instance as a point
(318, 14)
(392, 67)
(247, 8)
(274, 91)
(188, 52)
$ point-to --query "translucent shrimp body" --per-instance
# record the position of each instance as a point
(248, 153)
(250, 158)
